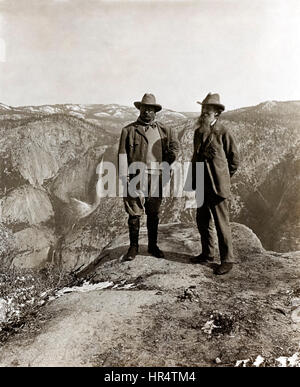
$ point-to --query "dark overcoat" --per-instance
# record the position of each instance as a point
(222, 166)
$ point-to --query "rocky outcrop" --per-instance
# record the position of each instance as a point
(168, 312)
(82, 249)
(245, 241)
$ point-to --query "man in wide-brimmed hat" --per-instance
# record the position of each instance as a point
(149, 142)
(215, 146)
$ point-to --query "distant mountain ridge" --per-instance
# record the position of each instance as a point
(112, 108)
(103, 114)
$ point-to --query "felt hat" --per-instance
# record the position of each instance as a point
(148, 99)
(212, 99)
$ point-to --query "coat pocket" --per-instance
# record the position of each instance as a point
(135, 142)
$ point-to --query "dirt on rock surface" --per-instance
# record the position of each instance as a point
(169, 312)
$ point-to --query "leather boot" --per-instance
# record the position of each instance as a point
(224, 268)
(202, 258)
(152, 226)
(134, 228)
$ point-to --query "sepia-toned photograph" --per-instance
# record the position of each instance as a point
(149, 191)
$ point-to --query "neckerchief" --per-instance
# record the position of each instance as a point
(146, 125)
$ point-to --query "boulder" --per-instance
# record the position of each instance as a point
(245, 241)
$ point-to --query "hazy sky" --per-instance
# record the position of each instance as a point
(96, 51)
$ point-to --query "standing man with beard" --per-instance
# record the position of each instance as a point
(149, 142)
(215, 146)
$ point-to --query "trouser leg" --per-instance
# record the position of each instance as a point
(205, 227)
(134, 228)
(134, 208)
(221, 218)
(152, 206)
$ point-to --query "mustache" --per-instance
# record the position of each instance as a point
(204, 121)
(147, 116)
(203, 118)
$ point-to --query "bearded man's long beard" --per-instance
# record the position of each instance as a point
(204, 123)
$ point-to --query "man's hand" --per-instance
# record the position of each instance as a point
(209, 152)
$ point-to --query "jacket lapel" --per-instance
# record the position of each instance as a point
(140, 129)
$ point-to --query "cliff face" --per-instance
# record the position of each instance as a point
(48, 167)
(267, 183)
(44, 162)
